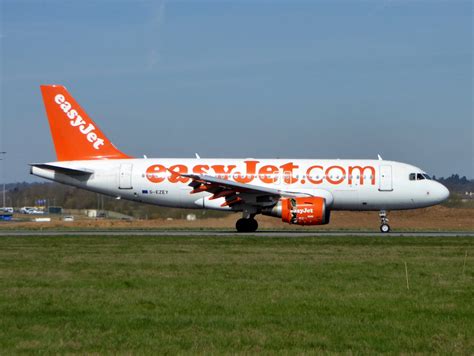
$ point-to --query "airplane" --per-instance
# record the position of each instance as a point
(298, 191)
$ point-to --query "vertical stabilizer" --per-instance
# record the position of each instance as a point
(75, 135)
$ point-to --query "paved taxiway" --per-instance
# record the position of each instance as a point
(184, 233)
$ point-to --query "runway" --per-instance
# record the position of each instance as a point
(214, 233)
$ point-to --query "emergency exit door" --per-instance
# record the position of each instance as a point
(385, 178)
(125, 176)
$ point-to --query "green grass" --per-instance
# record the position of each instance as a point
(236, 295)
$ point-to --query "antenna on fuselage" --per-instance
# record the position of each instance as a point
(197, 156)
(380, 157)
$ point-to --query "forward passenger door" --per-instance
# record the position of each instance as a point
(385, 178)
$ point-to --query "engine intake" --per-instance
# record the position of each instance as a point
(301, 211)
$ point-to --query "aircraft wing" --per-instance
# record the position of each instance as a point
(234, 192)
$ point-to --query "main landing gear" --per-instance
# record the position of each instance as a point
(246, 225)
(384, 226)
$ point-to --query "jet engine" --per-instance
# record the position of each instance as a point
(301, 211)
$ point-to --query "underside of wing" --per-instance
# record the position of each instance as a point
(236, 193)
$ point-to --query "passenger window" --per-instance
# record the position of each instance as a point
(419, 176)
(412, 176)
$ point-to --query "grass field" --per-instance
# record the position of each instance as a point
(236, 294)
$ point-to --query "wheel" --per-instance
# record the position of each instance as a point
(240, 225)
(385, 228)
(253, 225)
(246, 225)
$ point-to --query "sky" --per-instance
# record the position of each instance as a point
(300, 79)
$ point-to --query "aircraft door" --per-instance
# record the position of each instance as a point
(125, 176)
(385, 178)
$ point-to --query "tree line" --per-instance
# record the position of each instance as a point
(55, 194)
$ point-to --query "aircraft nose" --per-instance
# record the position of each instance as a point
(441, 193)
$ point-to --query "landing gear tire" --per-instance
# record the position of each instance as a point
(384, 226)
(246, 225)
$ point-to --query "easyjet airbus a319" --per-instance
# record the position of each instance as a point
(298, 191)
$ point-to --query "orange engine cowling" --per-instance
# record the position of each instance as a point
(304, 211)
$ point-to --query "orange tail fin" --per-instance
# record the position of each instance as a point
(75, 135)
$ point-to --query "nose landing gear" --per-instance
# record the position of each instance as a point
(384, 226)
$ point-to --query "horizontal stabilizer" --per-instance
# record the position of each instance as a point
(64, 170)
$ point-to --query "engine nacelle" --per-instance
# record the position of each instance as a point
(301, 211)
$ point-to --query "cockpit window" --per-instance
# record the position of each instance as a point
(419, 176)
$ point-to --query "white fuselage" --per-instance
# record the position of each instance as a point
(345, 184)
